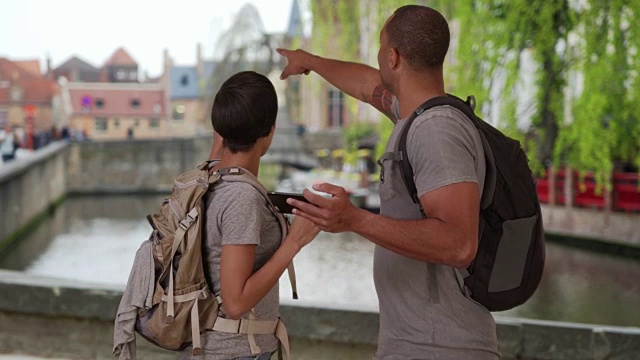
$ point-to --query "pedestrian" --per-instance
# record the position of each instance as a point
(9, 146)
(423, 311)
(243, 248)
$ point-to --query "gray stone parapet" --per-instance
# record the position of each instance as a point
(46, 316)
(613, 227)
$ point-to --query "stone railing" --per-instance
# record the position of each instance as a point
(57, 318)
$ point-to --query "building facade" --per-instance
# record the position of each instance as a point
(189, 94)
(112, 111)
(28, 99)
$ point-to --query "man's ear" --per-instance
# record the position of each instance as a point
(394, 58)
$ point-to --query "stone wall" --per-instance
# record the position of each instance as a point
(57, 318)
(132, 165)
(616, 227)
(28, 187)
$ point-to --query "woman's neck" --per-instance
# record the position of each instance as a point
(247, 160)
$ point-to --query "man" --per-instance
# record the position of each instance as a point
(423, 312)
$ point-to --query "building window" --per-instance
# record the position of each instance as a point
(4, 119)
(99, 103)
(16, 94)
(154, 123)
(178, 112)
(335, 111)
(135, 103)
(101, 124)
(184, 81)
(120, 74)
(133, 75)
(136, 122)
(116, 123)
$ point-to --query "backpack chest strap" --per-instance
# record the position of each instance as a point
(255, 327)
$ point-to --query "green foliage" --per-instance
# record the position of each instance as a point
(487, 57)
(593, 43)
(605, 128)
(357, 131)
(353, 133)
(336, 28)
(384, 128)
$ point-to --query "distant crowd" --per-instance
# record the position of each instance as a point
(12, 139)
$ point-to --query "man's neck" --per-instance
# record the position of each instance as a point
(415, 89)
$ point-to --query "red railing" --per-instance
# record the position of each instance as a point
(543, 188)
(586, 193)
(625, 194)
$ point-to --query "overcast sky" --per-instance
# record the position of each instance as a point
(93, 30)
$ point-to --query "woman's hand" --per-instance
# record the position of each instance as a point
(301, 232)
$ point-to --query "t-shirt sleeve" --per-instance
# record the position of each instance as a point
(240, 219)
(441, 151)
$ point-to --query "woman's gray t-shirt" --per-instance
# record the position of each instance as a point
(237, 214)
(423, 312)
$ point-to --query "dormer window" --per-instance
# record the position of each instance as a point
(99, 103)
(135, 103)
(184, 81)
(178, 112)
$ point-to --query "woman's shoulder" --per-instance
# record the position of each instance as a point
(227, 194)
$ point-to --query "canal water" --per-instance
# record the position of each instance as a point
(94, 238)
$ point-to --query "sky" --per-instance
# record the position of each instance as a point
(93, 30)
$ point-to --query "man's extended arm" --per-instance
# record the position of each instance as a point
(357, 80)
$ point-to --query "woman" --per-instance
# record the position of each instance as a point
(244, 250)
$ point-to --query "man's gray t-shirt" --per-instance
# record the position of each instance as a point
(237, 214)
(423, 312)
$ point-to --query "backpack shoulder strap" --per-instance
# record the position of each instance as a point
(243, 175)
(239, 174)
(467, 108)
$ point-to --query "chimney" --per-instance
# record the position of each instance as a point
(166, 82)
(166, 62)
(49, 74)
(199, 65)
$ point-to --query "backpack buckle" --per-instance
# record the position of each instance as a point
(185, 223)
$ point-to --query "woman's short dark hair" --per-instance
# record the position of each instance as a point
(244, 110)
(421, 36)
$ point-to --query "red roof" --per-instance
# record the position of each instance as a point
(120, 57)
(31, 66)
(35, 87)
(117, 101)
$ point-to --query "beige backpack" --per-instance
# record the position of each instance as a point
(183, 305)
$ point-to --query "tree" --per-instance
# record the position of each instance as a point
(494, 36)
(584, 110)
(587, 49)
(605, 129)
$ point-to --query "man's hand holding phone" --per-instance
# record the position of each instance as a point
(279, 200)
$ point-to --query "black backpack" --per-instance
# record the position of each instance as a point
(510, 259)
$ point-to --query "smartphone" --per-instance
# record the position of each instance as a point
(279, 200)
